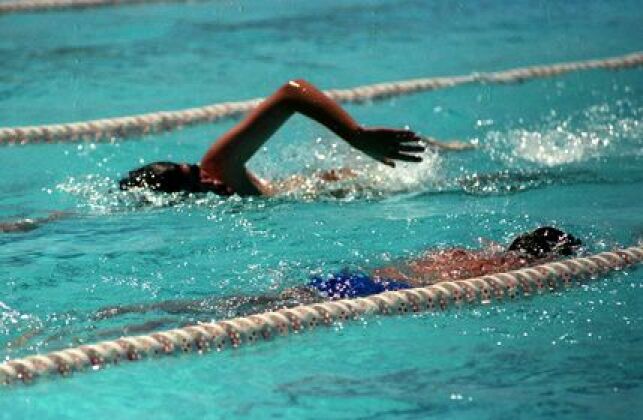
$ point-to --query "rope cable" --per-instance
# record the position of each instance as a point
(50, 5)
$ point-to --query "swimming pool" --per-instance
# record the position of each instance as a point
(564, 151)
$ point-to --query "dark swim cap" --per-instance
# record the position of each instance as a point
(544, 241)
(163, 176)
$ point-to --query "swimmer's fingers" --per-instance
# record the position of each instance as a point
(404, 157)
(391, 134)
(389, 161)
(404, 136)
(406, 152)
(411, 148)
(388, 144)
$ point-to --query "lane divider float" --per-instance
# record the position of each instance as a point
(16, 6)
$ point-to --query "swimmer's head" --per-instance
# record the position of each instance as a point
(166, 177)
(546, 241)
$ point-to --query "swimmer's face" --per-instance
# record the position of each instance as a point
(164, 177)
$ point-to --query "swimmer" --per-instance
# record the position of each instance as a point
(536, 247)
(222, 168)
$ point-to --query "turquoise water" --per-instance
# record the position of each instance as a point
(565, 151)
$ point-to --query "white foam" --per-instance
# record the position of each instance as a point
(594, 132)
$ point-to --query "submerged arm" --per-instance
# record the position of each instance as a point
(448, 146)
(225, 160)
(26, 225)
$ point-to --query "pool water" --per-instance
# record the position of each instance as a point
(566, 151)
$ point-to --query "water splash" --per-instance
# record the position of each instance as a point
(598, 131)
(358, 177)
(556, 146)
(367, 179)
(100, 195)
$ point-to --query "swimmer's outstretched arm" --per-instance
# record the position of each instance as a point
(225, 160)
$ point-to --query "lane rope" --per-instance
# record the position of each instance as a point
(236, 332)
(49, 5)
(142, 124)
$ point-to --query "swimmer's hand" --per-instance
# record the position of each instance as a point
(387, 145)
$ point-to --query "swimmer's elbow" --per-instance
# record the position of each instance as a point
(299, 83)
(296, 84)
(294, 88)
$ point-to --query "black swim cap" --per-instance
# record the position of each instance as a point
(163, 176)
(544, 241)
